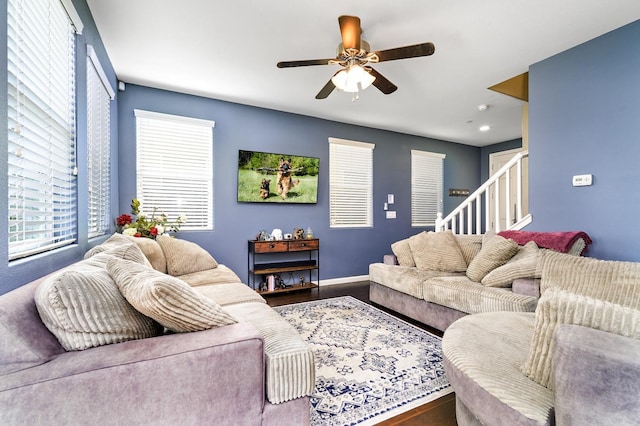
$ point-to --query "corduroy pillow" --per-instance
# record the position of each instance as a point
(402, 250)
(495, 252)
(523, 265)
(470, 245)
(437, 251)
(613, 282)
(152, 251)
(557, 306)
(83, 307)
(184, 257)
(166, 299)
(120, 246)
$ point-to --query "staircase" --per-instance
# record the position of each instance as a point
(468, 217)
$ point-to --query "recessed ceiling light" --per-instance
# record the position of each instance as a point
(484, 128)
(483, 107)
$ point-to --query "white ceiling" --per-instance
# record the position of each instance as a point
(229, 49)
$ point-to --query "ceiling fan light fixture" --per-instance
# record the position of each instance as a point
(352, 79)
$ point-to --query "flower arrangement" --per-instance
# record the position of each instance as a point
(146, 226)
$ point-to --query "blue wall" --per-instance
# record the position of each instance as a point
(344, 252)
(22, 271)
(584, 118)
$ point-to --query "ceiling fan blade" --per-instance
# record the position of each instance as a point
(350, 30)
(326, 90)
(290, 64)
(414, 51)
(381, 82)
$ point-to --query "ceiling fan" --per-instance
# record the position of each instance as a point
(354, 55)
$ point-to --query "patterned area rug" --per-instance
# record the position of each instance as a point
(370, 366)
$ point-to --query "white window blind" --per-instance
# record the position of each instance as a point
(99, 96)
(41, 126)
(350, 184)
(175, 167)
(426, 187)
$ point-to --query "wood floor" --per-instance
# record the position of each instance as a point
(440, 412)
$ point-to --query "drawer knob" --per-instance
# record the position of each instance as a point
(272, 245)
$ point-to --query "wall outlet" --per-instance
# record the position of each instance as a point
(582, 180)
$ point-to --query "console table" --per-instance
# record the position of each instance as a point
(284, 258)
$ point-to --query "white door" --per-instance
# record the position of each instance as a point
(496, 161)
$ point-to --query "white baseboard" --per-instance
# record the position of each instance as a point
(344, 280)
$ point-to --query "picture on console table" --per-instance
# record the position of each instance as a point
(277, 178)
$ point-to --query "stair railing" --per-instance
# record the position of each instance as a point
(467, 217)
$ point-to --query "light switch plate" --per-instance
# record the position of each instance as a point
(582, 180)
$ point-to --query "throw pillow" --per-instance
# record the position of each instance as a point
(151, 249)
(437, 251)
(116, 240)
(470, 245)
(184, 257)
(168, 300)
(120, 246)
(557, 306)
(83, 308)
(613, 281)
(495, 251)
(402, 250)
(523, 265)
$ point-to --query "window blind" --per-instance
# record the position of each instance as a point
(174, 157)
(42, 205)
(426, 187)
(350, 184)
(99, 96)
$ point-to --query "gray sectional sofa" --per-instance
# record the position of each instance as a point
(439, 277)
(149, 332)
(574, 361)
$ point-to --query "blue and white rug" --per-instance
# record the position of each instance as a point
(370, 366)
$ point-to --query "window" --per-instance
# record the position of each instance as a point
(42, 195)
(175, 167)
(426, 187)
(99, 97)
(350, 184)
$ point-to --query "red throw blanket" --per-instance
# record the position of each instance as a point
(558, 241)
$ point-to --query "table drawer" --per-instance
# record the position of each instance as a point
(303, 245)
(270, 246)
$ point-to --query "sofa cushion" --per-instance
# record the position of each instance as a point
(402, 250)
(168, 300)
(462, 294)
(437, 251)
(184, 257)
(558, 306)
(82, 306)
(230, 293)
(495, 252)
(408, 280)
(523, 265)
(218, 275)
(290, 366)
(482, 356)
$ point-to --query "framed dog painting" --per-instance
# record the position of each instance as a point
(277, 178)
